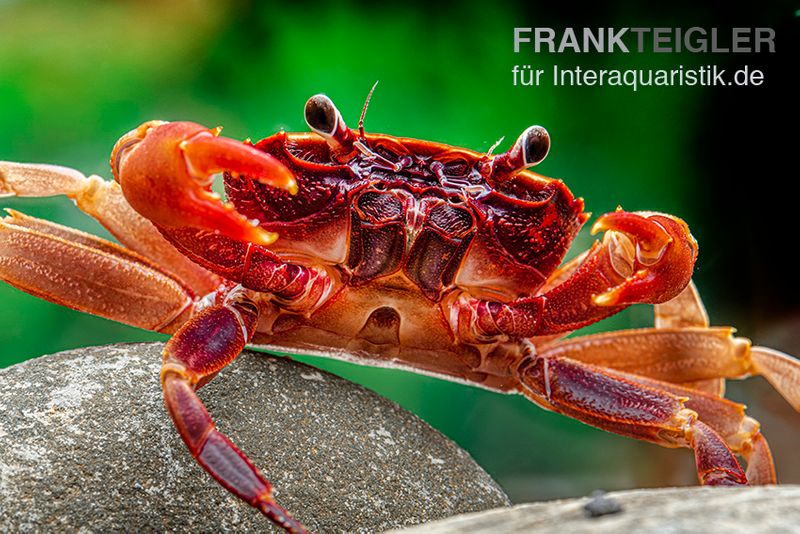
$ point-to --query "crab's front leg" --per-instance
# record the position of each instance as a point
(643, 258)
(103, 200)
(166, 170)
(194, 355)
(90, 274)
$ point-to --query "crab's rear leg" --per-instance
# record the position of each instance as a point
(90, 274)
(197, 352)
(742, 434)
(612, 402)
(779, 369)
(684, 356)
(687, 309)
(103, 200)
(663, 359)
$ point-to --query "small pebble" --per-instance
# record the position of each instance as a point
(600, 504)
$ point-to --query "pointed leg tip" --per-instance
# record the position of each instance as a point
(280, 517)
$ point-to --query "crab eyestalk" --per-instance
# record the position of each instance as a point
(165, 170)
(530, 149)
(324, 119)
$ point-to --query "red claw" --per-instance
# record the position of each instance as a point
(660, 264)
(644, 258)
(165, 170)
(207, 154)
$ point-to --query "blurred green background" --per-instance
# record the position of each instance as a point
(74, 76)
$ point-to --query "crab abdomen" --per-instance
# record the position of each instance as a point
(389, 323)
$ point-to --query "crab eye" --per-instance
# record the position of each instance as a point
(535, 143)
(321, 115)
(323, 118)
(530, 148)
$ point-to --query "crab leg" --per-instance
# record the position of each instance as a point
(683, 349)
(674, 355)
(687, 309)
(741, 433)
(779, 369)
(658, 358)
(296, 287)
(615, 403)
(103, 200)
(197, 352)
(89, 274)
(644, 258)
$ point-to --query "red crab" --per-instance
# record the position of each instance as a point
(391, 251)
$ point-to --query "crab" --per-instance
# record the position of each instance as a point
(391, 251)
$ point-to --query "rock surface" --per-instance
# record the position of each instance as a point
(85, 444)
(767, 509)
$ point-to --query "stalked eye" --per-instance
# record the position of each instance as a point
(535, 143)
(323, 118)
(530, 148)
(321, 115)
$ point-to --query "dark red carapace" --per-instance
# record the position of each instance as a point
(397, 252)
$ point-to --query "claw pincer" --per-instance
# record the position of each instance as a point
(654, 252)
(644, 258)
(166, 170)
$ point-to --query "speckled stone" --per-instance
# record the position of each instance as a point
(754, 510)
(86, 445)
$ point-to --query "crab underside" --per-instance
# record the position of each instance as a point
(396, 252)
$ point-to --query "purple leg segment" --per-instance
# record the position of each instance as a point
(196, 353)
(605, 400)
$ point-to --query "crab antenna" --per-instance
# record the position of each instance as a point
(364, 110)
(495, 145)
(530, 148)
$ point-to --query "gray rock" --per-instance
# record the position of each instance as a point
(86, 445)
(768, 509)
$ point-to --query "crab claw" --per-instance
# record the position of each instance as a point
(165, 171)
(653, 252)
